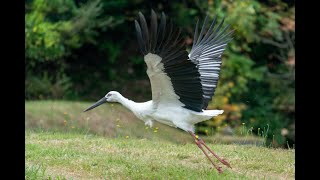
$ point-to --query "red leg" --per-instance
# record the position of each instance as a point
(223, 161)
(199, 145)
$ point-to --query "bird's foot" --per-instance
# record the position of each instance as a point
(223, 161)
(199, 142)
(149, 123)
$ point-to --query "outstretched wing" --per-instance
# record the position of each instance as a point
(206, 54)
(174, 78)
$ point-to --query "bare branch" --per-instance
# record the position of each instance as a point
(289, 40)
(287, 76)
(274, 43)
(281, 58)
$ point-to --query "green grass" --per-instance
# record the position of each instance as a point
(62, 142)
(81, 156)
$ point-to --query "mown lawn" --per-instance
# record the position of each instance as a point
(84, 156)
(62, 142)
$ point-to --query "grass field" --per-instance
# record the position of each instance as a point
(109, 143)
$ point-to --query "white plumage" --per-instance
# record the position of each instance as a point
(165, 104)
(182, 84)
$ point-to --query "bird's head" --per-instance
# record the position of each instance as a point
(112, 96)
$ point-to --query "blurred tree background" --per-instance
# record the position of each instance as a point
(80, 50)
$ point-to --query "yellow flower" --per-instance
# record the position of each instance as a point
(243, 123)
(118, 125)
(72, 127)
(230, 84)
(65, 113)
(225, 100)
(157, 128)
(127, 137)
(236, 108)
(197, 136)
(155, 131)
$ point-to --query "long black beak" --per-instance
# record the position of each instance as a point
(98, 103)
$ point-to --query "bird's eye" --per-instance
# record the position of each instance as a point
(108, 95)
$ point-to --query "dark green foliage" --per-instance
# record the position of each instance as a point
(79, 49)
(54, 29)
(43, 88)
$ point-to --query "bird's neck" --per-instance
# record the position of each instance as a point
(127, 103)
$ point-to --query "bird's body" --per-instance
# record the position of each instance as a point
(169, 110)
(166, 113)
(182, 84)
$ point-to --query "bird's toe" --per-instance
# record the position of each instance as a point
(149, 123)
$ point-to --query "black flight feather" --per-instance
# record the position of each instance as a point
(193, 79)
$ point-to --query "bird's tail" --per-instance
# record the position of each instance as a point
(208, 114)
(212, 113)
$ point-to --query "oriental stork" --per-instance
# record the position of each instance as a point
(182, 84)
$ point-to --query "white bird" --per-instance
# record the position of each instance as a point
(182, 84)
